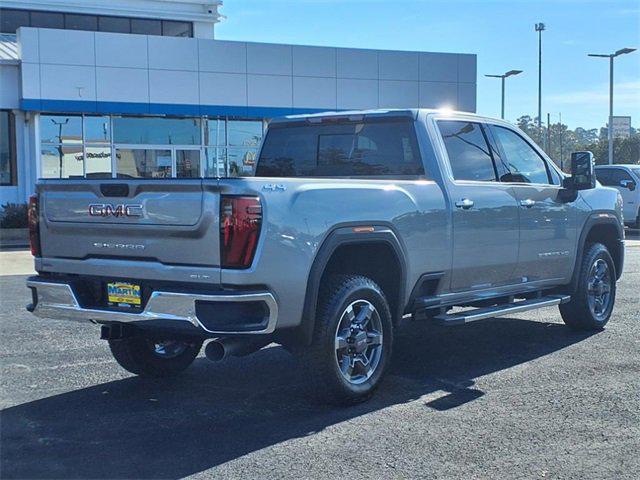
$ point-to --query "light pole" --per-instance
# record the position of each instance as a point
(540, 28)
(611, 57)
(502, 77)
(561, 141)
(60, 152)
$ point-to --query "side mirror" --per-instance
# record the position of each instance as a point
(628, 184)
(583, 176)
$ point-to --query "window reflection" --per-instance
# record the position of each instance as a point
(140, 163)
(467, 150)
(97, 129)
(62, 161)
(187, 163)
(215, 162)
(523, 163)
(156, 131)
(176, 29)
(150, 147)
(97, 162)
(7, 148)
(60, 129)
(216, 132)
(241, 162)
(244, 133)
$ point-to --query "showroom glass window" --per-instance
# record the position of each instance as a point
(7, 148)
(73, 146)
(90, 146)
(12, 19)
(61, 146)
(232, 147)
(157, 147)
(97, 147)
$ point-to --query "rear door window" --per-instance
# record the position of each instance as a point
(469, 154)
(363, 149)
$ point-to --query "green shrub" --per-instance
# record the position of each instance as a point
(14, 215)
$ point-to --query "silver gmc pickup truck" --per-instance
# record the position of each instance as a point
(353, 221)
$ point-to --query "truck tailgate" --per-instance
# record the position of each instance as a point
(168, 221)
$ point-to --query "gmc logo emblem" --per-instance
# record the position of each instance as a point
(120, 210)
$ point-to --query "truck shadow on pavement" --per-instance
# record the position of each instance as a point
(215, 413)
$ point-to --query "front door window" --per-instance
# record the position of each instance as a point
(522, 161)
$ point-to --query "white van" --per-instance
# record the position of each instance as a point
(626, 178)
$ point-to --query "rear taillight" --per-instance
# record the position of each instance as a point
(33, 220)
(240, 222)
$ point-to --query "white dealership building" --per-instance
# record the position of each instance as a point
(140, 88)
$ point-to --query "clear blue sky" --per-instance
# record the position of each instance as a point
(500, 32)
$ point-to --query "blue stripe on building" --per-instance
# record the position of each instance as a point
(131, 108)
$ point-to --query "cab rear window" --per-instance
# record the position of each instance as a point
(364, 149)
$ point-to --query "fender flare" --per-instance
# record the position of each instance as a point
(341, 236)
(596, 219)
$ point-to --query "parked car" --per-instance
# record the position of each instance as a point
(353, 221)
(624, 178)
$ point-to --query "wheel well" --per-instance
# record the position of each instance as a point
(377, 261)
(607, 234)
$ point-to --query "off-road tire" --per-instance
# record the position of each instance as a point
(336, 294)
(137, 355)
(577, 313)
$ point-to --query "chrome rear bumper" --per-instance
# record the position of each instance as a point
(58, 301)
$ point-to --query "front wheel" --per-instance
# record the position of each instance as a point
(592, 303)
(352, 340)
(154, 358)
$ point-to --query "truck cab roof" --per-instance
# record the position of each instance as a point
(355, 115)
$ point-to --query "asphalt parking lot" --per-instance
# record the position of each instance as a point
(518, 397)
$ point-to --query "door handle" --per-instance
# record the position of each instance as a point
(527, 203)
(465, 203)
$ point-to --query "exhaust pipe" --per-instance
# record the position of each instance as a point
(222, 348)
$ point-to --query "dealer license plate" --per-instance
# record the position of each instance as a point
(124, 293)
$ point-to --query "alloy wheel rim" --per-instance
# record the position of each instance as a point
(358, 342)
(599, 289)
(168, 348)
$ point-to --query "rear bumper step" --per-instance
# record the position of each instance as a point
(459, 318)
(58, 301)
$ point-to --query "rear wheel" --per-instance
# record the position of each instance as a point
(592, 303)
(154, 358)
(352, 340)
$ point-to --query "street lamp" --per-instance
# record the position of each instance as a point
(502, 77)
(60, 151)
(611, 56)
(540, 27)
